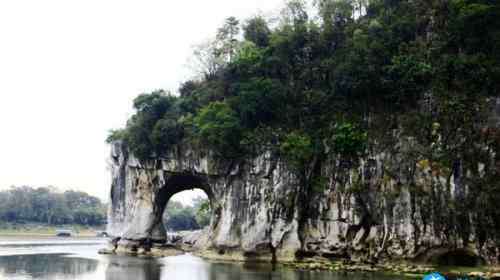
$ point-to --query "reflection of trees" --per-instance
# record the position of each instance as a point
(47, 266)
(245, 271)
(120, 268)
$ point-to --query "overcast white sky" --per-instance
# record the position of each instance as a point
(70, 69)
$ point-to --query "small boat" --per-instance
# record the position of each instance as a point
(64, 233)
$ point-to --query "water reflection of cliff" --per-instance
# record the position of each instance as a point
(120, 268)
(46, 266)
(64, 267)
(262, 271)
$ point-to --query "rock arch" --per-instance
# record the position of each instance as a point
(140, 193)
(246, 221)
(261, 211)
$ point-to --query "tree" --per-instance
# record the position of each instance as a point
(257, 31)
(202, 211)
(226, 39)
(207, 59)
(166, 133)
(294, 13)
(178, 217)
(218, 127)
(298, 148)
(348, 141)
(153, 128)
(258, 102)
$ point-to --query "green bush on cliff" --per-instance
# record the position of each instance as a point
(348, 140)
(116, 135)
(218, 127)
(298, 149)
(154, 128)
(371, 63)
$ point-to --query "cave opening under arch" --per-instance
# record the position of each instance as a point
(177, 184)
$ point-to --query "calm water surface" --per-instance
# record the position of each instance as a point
(64, 259)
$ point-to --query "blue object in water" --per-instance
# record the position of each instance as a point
(434, 276)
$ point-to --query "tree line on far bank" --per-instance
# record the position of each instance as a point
(47, 205)
(179, 217)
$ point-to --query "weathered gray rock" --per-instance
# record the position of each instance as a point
(195, 239)
(261, 211)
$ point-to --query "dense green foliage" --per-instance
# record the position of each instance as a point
(47, 205)
(178, 217)
(358, 78)
(357, 61)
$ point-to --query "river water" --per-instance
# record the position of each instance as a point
(77, 259)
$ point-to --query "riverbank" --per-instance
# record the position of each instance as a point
(404, 269)
(44, 230)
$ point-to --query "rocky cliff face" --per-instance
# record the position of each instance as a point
(385, 208)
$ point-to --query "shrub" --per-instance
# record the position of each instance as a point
(297, 148)
(218, 126)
